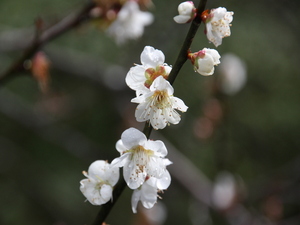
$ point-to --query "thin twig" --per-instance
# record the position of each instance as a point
(49, 34)
(105, 209)
(182, 57)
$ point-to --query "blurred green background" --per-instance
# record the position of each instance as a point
(47, 140)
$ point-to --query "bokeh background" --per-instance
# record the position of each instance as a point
(241, 148)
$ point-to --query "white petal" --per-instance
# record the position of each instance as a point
(106, 192)
(151, 57)
(219, 13)
(120, 146)
(85, 184)
(181, 19)
(110, 175)
(167, 162)
(135, 199)
(165, 181)
(228, 17)
(133, 137)
(138, 99)
(206, 65)
(186, 8)
(157, 146)
(179, 104)
(160, 83)
(172, 116)
(132, 178)
(121, 161)
(214, 54)
(142, 112)
(98, 169)
(148, 196)
(135, 78)
(90, 192)
(157, 120)
(167, 68)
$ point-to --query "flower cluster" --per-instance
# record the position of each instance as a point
(144, 170)
(144, 166)
(154, 93)
(144, 161)
(217, 22)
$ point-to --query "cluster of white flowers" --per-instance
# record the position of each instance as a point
(154, 93)
(143, 161)
(217, 23)
(144, 170)
(144, 166)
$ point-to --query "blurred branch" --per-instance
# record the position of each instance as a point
(187, 174)
(42, 37)
(16, 39)
(77, 64)
(63, 136)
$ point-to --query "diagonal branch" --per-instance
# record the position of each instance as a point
(181, 59)
(66, 24)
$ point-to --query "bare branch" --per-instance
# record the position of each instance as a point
(47, 35)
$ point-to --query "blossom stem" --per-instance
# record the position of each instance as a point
(183, 54)
(147, 129)
(105, 209)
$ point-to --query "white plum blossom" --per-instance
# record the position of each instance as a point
(217, 24)
(140, 77)
(130, 23)
(224, 191)
(158, 105)
(186, 11)
(146, 193)
(101, 178)
(233, 74)
(205, 60)
(142, 159)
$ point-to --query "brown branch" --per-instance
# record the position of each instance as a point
(66, 24)
(181, 59)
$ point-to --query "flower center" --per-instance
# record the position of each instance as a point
(100, 182)
(152, 73)
(161, 99)
(141, 157)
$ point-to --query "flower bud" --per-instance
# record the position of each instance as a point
(205, 60)
(186, 11)
(40, 70)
